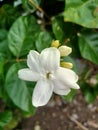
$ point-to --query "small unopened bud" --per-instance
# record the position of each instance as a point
(65, 50)
(55, 43)
(37, 127)
(66, 65)
(93, 81)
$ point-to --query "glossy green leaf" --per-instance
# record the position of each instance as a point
(17, 89)
(5, 118)
(58, 26)
(88, 44)
(8, 14)
(22, 35)
(29, 6)
(43, 41)
(61, 29)
(82, 12)
(4, 42)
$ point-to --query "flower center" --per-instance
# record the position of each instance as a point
(48, 75)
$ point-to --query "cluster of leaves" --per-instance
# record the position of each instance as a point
(32, 25)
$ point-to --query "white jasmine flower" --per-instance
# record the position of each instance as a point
(45, 69)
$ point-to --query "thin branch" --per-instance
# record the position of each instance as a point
(15, 60)
(66, 41)
(20, 60)
(88, 73)
(38, 8)
(78, 123)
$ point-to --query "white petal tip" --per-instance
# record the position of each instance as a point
(35, 105)
(20, 74)
(76, 86)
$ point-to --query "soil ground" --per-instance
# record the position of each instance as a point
(61, 115)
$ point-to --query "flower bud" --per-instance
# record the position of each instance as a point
(92, 81)
(37, 127)
(64, 50)
(55, 43)
(66, 65)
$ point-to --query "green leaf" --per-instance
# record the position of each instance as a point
(1, 128)
(29, 6)
(3, 34)
(8, 14)
(82, 12)
(58, 26)
(43, 41)
(89, 96)
(5, 118)
(2, 61)
(17, 89)
(88, 92)
(22, 35)
(2, 74)
(3, 42)
(61, 29)
(70, 96)
(88, 44)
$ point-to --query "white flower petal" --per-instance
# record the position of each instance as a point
(50, 58)
(60, 87)
(42, 93)
(66, 75)
(64, 80)
(75, 86)
(28, 75)
(33, 61)
(62, 92)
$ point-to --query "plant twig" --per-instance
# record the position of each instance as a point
(93, 124)
(77, 123)
(20, 60)
(66, 41)
(38, 8)
(88, 73)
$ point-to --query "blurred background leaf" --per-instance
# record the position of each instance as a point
(8, 15)
(5, 118)
(88, 44)
(84, 13)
